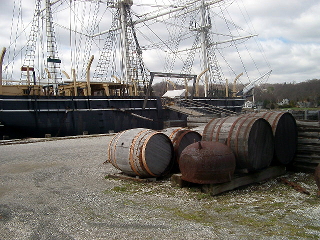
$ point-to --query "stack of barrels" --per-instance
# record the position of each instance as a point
(250, 138)
(258, 140)
(148, 153)
(247, 142)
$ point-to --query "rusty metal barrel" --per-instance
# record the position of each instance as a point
(284, 128)
(141, 152)
(250, 138)
(181, 138)
(206, 162)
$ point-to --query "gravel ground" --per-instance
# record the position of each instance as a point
(58, 190)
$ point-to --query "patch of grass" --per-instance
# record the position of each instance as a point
(228, 208)
(200, 216)
(120, 189)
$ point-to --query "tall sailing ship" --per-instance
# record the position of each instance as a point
(47, 98)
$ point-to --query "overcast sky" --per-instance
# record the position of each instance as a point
(288, 31)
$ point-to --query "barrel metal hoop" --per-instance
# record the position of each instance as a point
(266, 115)
(131, 155)
(109, 149)
(206, 128)
(219, 128)
(174, 132)
(231, 130)
(115, 139)
(245, 118)
(275, 121)
(143, 153)
(178, 139)
(246, 132)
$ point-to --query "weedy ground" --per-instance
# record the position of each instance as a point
(270, 208)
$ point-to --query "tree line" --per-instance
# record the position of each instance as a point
(267, 95)
(305, 94)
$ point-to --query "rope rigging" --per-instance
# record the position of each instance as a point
(175, 28)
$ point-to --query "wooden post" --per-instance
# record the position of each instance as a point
(88, 76)
(186, 87)
(234, 91)
(227, 88)
(197, 82)
(106, 89)
(74, 82)
(1, 61)
(28, 76)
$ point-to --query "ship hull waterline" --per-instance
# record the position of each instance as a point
(34, 116)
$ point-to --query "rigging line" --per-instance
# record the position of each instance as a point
(16, 33)
(74, 13)
(175, 39)
(226, 20)
(191, 34)
(92, 20)
(225, 60)
(86, 27)
(70, 37)
(236, 47)
(69, 29)
(258, 43)
(254, 62)
(168, 23)
(16, 38)
(78, 43)
(145, 14)
(166, 13)
(160, 39)
(11, 36)
(156, 45)
(76, 8)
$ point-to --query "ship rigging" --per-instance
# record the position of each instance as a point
(189, 35)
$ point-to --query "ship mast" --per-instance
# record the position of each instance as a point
(205, 26)
(132, 70)
(123, 6)
(53, 60)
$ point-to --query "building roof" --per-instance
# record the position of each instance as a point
(175, 93)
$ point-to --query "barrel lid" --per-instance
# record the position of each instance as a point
(158, 153)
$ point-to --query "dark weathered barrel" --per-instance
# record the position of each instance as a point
(181, 138)
(250, 138)
(207, 162)
(285, 133)
(141, 152)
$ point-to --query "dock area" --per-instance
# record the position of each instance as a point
(57, 189)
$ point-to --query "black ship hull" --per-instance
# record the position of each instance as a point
(28, 116)
(34, 116)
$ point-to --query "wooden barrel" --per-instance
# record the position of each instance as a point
(250, 138)
(285, 133)
(141, 152)
(181, 138)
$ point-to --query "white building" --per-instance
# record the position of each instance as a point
(284, 102)
(248, 104)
